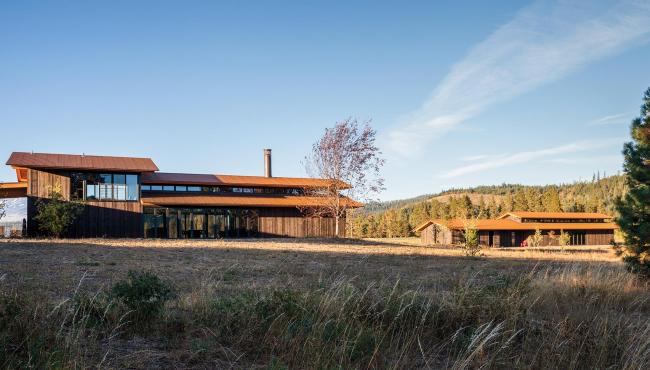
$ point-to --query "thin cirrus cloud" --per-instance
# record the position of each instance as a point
(613, 119)
(478, 157)
(586, 160)
(542, 43)
(546, 154)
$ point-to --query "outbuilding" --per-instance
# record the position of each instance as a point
(513, 228)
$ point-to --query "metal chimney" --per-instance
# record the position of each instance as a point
(267, 163)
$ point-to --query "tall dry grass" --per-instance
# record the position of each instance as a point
(579, 316)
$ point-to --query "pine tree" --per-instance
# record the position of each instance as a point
(373, 227)
(466, 207)
(403, 229)
(493, 208)
(508, 204)
(634, 208)
(551, 200)
(482, 210)
(533, 200)
(520, 202)
(419, 214)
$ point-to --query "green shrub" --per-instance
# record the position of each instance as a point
(564, 239)
(144, 293)
(535, 240)
(472, 247)
(55, 214)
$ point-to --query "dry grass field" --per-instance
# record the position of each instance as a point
(319, 304)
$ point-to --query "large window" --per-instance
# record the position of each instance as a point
(198, 223)
(132, 187)
(223, 189)
(105, 186)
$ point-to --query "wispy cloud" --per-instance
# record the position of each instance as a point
(543, 43)
(613, 119)
(480, 157)
(528, 156)
(599, 159)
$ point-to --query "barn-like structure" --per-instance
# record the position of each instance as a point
(513, 228)
(129, 197)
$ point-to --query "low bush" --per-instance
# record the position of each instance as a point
(536, 239)
(471, 243)
(144, 294)
(564, 239)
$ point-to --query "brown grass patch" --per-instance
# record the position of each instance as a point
(55, 266)
(323, 304)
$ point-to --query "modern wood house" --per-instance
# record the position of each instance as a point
(513, 228)
(129, 197)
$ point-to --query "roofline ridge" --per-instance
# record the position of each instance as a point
(80, 155)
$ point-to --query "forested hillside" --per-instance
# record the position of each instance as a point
(399, 218)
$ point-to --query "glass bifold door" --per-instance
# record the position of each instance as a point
(199, 223)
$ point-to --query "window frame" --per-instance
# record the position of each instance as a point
(104, 186)
(207, 189)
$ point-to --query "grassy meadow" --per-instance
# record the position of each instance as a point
(316, 304)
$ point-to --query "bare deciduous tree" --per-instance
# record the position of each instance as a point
(347, 158)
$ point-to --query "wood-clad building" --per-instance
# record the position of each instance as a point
(129, 197)
(512, 229)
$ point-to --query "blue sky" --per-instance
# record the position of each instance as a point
(462, 93)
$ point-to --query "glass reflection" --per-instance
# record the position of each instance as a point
(197, 223)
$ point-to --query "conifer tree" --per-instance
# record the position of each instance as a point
(520, 201)
(482, 210)
(373, 227)
(467, 207)
(493, 208)
(533, 200)
(634, 208)
(419, 214)
(551, 200)
(508, 204)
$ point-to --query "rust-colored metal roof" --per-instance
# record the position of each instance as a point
(80, 162)
(556, 215)
(13, 189)
(510, 225)
(233, 180)
(192, 200)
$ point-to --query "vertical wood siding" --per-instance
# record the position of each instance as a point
(109, 219)
(98, 218)
(42, 183)
(289, 222)
(436, 235)
(433, 235)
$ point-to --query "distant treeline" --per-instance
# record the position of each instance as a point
(400, 218)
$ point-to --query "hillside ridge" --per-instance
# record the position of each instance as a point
(399, 218)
